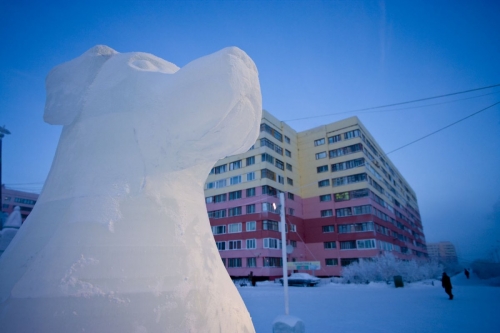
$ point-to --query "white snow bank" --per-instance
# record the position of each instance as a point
(418, 307)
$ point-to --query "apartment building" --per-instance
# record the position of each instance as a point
(344, 200)
(443, 252)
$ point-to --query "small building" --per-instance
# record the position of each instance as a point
(12, 198)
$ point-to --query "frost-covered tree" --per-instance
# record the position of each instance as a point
(386, 266)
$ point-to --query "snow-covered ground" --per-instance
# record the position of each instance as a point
(378, 307)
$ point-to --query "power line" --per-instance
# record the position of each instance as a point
(400, 103)
(442, 128)
(426, 105)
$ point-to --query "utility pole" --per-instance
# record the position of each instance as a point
(3, 132)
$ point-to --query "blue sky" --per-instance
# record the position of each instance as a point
(314, 58)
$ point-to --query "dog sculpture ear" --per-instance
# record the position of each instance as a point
(225, 94)
(67, 85)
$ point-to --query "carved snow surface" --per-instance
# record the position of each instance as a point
(119, 240)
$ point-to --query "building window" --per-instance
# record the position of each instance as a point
(209, 200)
(250, 209)
(268, 143)
(224, 261)
(360, 210)
(236, 211)
(365, 244)
(219, 169)
(251, 192)
(251, 226)
(288, 153)
(250, 160)
(250, 176)
(351, 134)
(343, 196)
(251, 262)
(235, 165)
(330, 245)
(345, 150)
(292, 243)
(235, 180)
(234, 244)
(325, 197)
(348, 164)
(323, 168)
(326, 213)
(321, 155)
(220, 198)
(219, 229)
(272, 262)
(267, 158)
(221, 246)
(289, 181)
(291, 211)
(233, 262)
(289, 167)
(348, 245)
(233, 227)
(266, 173)
(293, 227)
(269, 190)
(323, 183)
(331, 262)
(235, 195)
(342, 212)
(291, 196)
(268, 207)
(217, 214)
(251, 243)
(281, 179)
(333, 139)
(328, 228)
(270, 225)
(356, 227)
(352, 195)
(287, 139)
(361, 177)
(280, 165)
(272, 243)
(319, 142)
(272, 131)
(385, 246)
(347, 261)
(220, 183)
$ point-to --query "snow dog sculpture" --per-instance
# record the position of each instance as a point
(119, 240)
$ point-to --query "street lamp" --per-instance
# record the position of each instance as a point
(285, 323)
(283, 249)
(3, 131)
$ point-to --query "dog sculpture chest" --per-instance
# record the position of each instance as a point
(119, 240)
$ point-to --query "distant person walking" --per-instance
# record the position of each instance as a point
(466, 272)
(446, 283)
(251, 278)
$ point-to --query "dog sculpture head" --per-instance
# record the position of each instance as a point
(179, 117)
